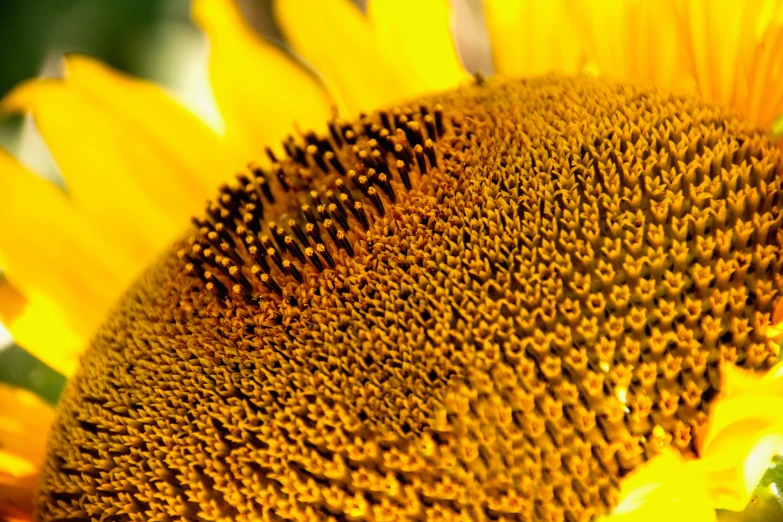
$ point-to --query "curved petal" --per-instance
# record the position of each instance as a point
(63, 267)
(262, 93)
(418, 34)
(146, 110)
(735, 53)
(24, 426)
(736, 457)
(59, 344)
(336, 38)
(530, 37)
(634, 41)
(664, 488)
(123, 183)
(744, 433)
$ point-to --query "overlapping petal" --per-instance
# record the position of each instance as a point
(735, 53)
(140, 167)
(666, 488)
(60, 343)
(531, 38)
(401, 50)
(65, 273)
(144, 109)
(262, 92)
(633, 41)
(728, 52)
(336, 38)
(24, 427)
(744, 434)
(126, 181)
(417, 36)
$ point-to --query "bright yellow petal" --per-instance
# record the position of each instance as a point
(418, 35)
(121, 182)
(735, 50)
(634, 41)
(665, 488)
(263, 94)
(530, 37)
(145, 109)
(24, 426)
(336, 38)
(735, 460)
(54, 256)
(57, 344)
(136, 165)
(744, 433)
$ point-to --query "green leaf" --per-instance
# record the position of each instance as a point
(19, 368)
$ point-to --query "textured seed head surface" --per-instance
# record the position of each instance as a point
(490, 305)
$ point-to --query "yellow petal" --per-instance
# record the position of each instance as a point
(121, 182)
(737, 461)
(665, 488)
(735, 52)
(738, 382)
(261, 91)
(57, 344)
(24, 426)
(418, 35)
(744, 433)
(633, 41)
(145, 109)
(336, 38)
(59, 262)
(531, 37)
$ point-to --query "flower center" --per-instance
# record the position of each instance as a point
(499, 301)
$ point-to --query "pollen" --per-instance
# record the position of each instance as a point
(492, 304)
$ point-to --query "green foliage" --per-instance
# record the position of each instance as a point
(767, 502)
(19, 368)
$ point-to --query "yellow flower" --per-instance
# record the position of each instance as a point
(136, 165)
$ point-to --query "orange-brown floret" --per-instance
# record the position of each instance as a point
(493, 303)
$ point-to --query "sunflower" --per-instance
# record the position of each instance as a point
(546, 295)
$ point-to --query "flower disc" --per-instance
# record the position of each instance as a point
(495, 302)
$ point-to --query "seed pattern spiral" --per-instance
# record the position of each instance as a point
(488, 305)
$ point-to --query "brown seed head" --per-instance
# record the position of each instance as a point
(525, 293)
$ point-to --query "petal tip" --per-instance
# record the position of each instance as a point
(212, 16)
(74, 63)
(19, 99)
(28, 95)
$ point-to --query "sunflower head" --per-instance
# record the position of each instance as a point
(496, 302)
